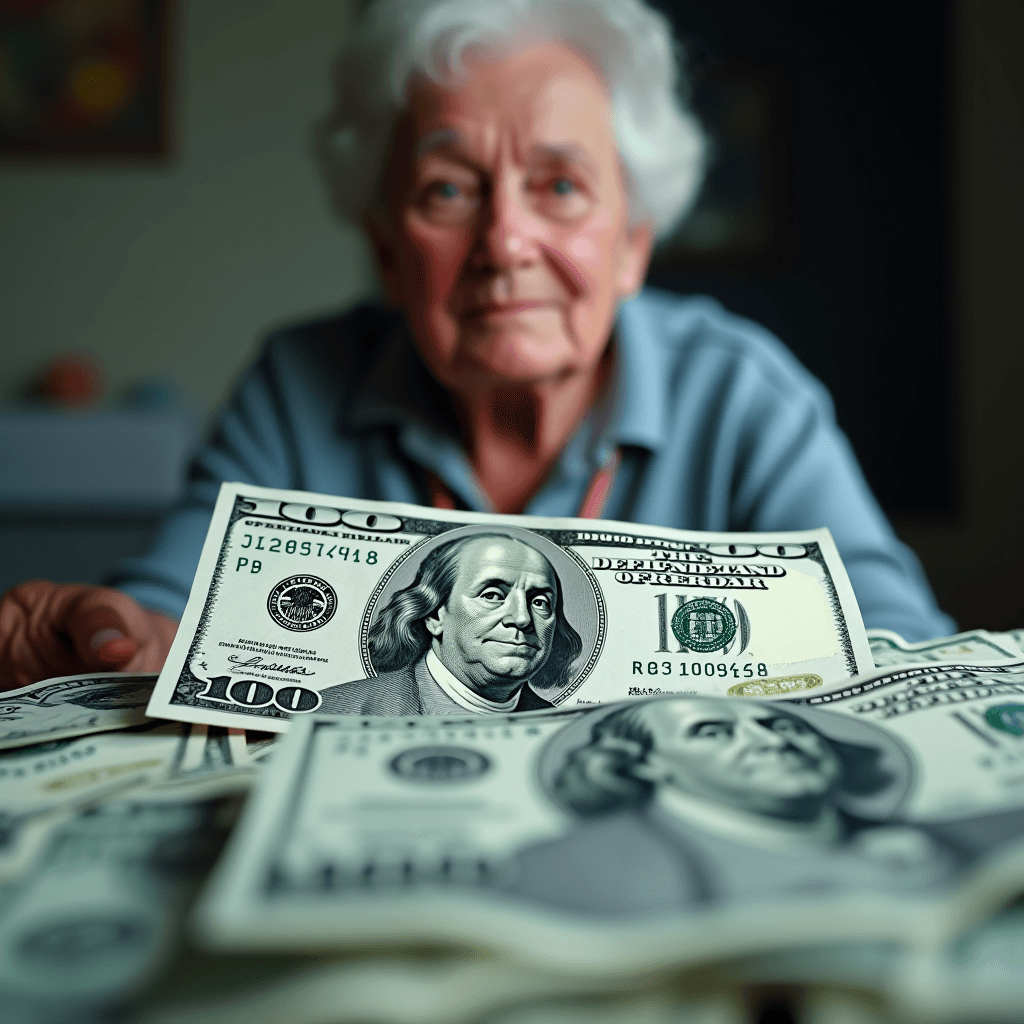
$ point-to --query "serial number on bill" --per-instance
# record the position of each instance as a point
(721, 669)
(306, 548)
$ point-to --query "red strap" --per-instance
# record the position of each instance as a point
(600, 487)
(440, 495)
(590, 508)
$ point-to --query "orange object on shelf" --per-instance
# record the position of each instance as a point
(71, 380)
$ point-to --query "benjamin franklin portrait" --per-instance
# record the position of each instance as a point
(481, 629)
(691, 799)
(76, 703)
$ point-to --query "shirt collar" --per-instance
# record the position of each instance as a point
(639, 411)
(459, 692)
(674, 807)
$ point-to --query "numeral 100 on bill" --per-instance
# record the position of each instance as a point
(253, 693)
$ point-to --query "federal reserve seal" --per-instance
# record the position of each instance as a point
(440, 764)
(704, 625)
(302, 603)
(1007, 717)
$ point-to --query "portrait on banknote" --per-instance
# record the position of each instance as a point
(721, 799)
(73, 704)
(480, 619)
(95, 692)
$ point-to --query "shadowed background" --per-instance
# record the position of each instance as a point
(864, 204)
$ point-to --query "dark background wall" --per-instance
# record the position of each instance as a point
(885, 250)
(976, 557)
(851, 267)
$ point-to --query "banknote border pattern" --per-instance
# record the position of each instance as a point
(903, 675)
(930, 645)
(837, 607)
(188, 684)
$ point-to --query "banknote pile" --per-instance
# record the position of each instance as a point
(516, 770)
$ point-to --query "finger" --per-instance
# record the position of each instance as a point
(107, 628)
(165, 629)
(33, 642)
(152, 654)
(112, 647)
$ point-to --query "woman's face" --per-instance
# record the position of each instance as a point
(506, 239)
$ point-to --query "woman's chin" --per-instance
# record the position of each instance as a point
(523, 360)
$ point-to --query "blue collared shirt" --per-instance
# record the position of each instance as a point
(719, 426)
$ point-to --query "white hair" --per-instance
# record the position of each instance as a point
(661, 145)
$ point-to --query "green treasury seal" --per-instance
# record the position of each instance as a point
(1007, 717)
(704, 625)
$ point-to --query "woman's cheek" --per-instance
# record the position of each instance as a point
(445, 262)
(436, 261)
(584, 249)
(589, 250)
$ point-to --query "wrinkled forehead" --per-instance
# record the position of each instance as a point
(504, 558)
(676, 719)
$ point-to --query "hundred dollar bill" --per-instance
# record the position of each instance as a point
(977, 977)
(971, 714)
(259, 746)
(659, 832)
(42, 784)
(450, 990)
(98, 912)
(1012, 636)
(975, 646)
(307, 603)
(23, 834)
(73, 706)
(76, 770)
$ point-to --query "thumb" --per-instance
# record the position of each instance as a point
(106, 628)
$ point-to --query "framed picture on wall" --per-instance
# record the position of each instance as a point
(83, 77)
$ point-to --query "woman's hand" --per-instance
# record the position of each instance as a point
(53, 629)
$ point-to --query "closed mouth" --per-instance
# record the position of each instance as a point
(511, 643)
(507, 308)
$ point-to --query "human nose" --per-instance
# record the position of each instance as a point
(763, 736)
(517, 610)
(508, 236)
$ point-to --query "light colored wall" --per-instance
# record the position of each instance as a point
(179, 267)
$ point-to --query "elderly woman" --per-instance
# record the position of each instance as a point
(512, 162)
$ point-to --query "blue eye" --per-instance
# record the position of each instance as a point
(446, 190)
(563, 186)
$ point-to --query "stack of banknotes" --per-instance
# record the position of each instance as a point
(511, 769)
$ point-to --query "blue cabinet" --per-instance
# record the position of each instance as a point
(78, 491)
